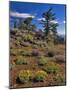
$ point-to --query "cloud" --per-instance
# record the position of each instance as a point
(64, 22)
(39, 19)
(54, 21)
(21, 15)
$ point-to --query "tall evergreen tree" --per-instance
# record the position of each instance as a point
(50, 27)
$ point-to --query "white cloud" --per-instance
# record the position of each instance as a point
(64, 22)
(54, 21)
(39, 19)
(61, 32)
(21, 15)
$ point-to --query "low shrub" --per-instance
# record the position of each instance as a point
(41, 45)
(27, 37)
(60, 79)
(25, 44)
(17, 43)
(18, 34)
(34, 42)
(11, 66)
(25, 53)
(44, 43)
(13, 52)
(19, 38)
(40, 76)
(51, 68)
(34, 46)
(42, 60)
(25, 75)
(21, 61)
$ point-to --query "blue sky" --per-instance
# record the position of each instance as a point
(23, 10)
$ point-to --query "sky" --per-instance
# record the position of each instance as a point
(22, 10)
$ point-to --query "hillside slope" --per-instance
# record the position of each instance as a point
(29, 51)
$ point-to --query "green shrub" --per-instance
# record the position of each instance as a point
(11, 66)
(25, 75)
(28, 37)
(25, 53)
(38, 42)
(44, 43)
(51, 68)
(21, 61)
(25, 44)
(13, 52)
(40, 75)
(19, 38)
(34, 46)
(41, 45)
(60, 79)
(42, 60)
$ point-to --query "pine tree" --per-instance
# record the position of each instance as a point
(50, 27)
